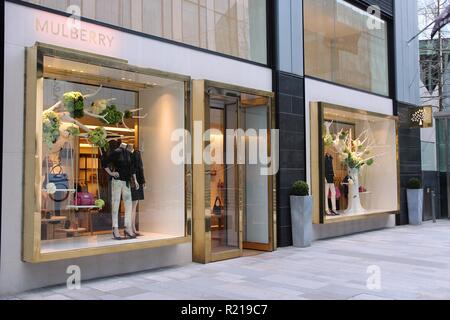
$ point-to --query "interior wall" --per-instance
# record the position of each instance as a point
(382, 187)
(162, 211)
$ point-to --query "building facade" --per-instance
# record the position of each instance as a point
(149, 85)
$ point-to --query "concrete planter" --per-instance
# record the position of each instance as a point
(415, 206)
(301, 215)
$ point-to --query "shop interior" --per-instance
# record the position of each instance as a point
(117, 117)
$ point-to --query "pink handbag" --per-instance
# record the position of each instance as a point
(84, 199)
(338, 194)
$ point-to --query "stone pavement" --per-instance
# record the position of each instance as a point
(414, 263)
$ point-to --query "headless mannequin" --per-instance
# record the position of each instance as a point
(137, 187)
(121, 187)
(329, 186)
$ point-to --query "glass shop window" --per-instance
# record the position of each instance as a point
(107, 176)
(342, 47)
(359, 163)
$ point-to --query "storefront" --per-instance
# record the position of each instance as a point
(101, 100)
(98, 156)
(353, 156)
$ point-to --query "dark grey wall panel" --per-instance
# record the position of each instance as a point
(291, 123)
(410, 157)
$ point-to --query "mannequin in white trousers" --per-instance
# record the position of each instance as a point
(330, 187)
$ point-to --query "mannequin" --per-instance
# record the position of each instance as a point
(121, 178)
(329, 186)
(137, 190)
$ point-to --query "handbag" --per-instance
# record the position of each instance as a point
(61, 181)
(84, 199)
(218, 207)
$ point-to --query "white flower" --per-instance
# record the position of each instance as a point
(51, 188)
(99, 106)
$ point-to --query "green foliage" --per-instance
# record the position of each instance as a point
(328, 140)
(73, 131)
(300, 189)
(100, 203)
(50, 127)
(128, 114)
(74, 103)
(112, 115)
(98, 137)
(415, 184)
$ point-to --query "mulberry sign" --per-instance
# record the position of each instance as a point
(74, 32)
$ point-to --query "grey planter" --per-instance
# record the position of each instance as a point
(415, 206)
(301, 215)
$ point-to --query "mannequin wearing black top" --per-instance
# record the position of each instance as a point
(121, 179)
(329, 186)
(137, 194)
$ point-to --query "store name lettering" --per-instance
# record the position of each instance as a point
(74, 33)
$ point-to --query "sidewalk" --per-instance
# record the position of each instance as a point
(414, 264)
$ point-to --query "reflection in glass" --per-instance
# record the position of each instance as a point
(342, 46)
(236, 28)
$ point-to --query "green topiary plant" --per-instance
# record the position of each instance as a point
(414, 184)
(300, 189)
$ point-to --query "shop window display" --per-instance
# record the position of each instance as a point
(358, 163)
(105, 146)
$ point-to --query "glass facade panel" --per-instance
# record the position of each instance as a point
(341, 47)
(233, 27)
(428, 156)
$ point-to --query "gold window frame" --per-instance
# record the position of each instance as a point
(31, 248)
(317, 149)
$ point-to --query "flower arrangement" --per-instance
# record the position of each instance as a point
(74, 103)
(99, 106)
(112, 115)
(354, 153)
(98, 137)
(50, 126)
(51, 188)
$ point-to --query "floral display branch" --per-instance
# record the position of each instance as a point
(354, 153)
(61, 123)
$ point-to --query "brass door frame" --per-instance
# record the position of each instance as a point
(202, 251)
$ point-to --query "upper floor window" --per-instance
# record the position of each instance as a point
(346, 45)
(232, 27)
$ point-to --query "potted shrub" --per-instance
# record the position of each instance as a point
(415, 201)
(301, 215)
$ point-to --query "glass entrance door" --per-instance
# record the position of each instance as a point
(255, 115)
(238, 199)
